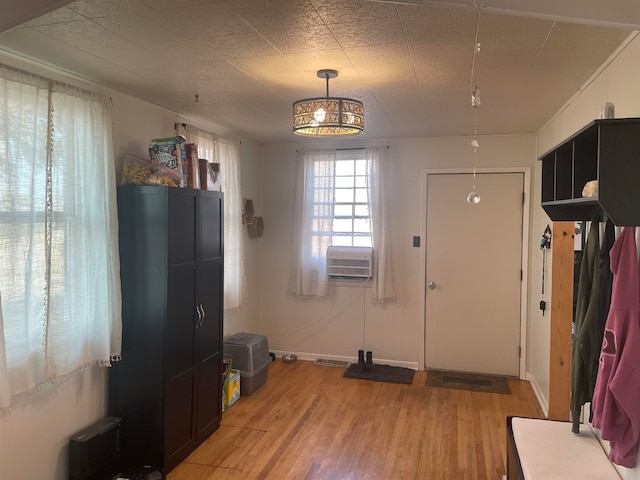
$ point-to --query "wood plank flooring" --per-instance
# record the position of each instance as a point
(308, 422)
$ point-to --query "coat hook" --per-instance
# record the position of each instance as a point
(196, 98)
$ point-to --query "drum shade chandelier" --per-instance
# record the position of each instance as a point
(328, 116)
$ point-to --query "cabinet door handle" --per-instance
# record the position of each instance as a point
(203, 314)
(199, 322)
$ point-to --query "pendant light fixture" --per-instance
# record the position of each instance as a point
(474, 197)
(328, 116)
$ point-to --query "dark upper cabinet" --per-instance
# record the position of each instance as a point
(167, 387)
(605, 150)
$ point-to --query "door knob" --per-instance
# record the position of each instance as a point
(431, 285)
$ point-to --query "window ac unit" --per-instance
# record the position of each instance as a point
(352, 262)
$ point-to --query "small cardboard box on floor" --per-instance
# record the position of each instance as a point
(250, 353)
(233, 389)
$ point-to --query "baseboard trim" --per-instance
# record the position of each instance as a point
(342, 358)
(542, 401)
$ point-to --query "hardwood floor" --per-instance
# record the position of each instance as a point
(308, 422)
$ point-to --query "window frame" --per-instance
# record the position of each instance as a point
(359, 185)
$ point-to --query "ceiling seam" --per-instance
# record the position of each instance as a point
(413, 68)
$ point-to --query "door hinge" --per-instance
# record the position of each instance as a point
(522, 198)
(521, 274)
(519, 352)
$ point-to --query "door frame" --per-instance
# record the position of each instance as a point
(524, 285)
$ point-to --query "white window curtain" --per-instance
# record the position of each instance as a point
(60, 275)
(377, 186)
(226, 152)
(313, 216)
(235, 283)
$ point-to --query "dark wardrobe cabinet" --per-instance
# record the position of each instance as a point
(167, 386)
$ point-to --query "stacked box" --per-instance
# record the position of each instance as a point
(226, 371)
(250, 353)
(233, 389)
(193, 166)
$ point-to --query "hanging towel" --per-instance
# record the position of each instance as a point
(585, 346)
(616, 404)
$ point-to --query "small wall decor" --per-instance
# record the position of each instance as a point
(248, 211)
(256, 229)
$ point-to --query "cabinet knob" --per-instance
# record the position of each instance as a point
(431, 285)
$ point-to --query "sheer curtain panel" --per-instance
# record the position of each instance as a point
(235, 283)
(60, 276)
(378, 180)
(226, 152)
(313, 217)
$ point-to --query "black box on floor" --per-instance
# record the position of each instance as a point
(140, 473)
(95, 449)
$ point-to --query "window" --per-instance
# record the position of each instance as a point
(59, 286)
(341, 199)
(351, 225)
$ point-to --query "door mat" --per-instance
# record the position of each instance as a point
(331, 363)
(382, 373)
(467, 381)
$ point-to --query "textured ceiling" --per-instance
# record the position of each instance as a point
(249, 60)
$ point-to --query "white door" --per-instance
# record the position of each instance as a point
(473, 273)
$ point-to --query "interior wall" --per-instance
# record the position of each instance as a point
(616, 82)
(539, 325)
(338, 326)
(34, 437)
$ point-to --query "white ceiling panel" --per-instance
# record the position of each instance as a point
(612, 13)
(100, 9)
(410, 62)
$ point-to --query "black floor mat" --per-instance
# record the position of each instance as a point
(467, 381)
(382, 373)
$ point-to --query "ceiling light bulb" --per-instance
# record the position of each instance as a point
(473, 197)
(319, 115)
(475, 98)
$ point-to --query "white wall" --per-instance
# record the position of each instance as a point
(34, 437)
(538, 330)
(617, 82)
(347, 320)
